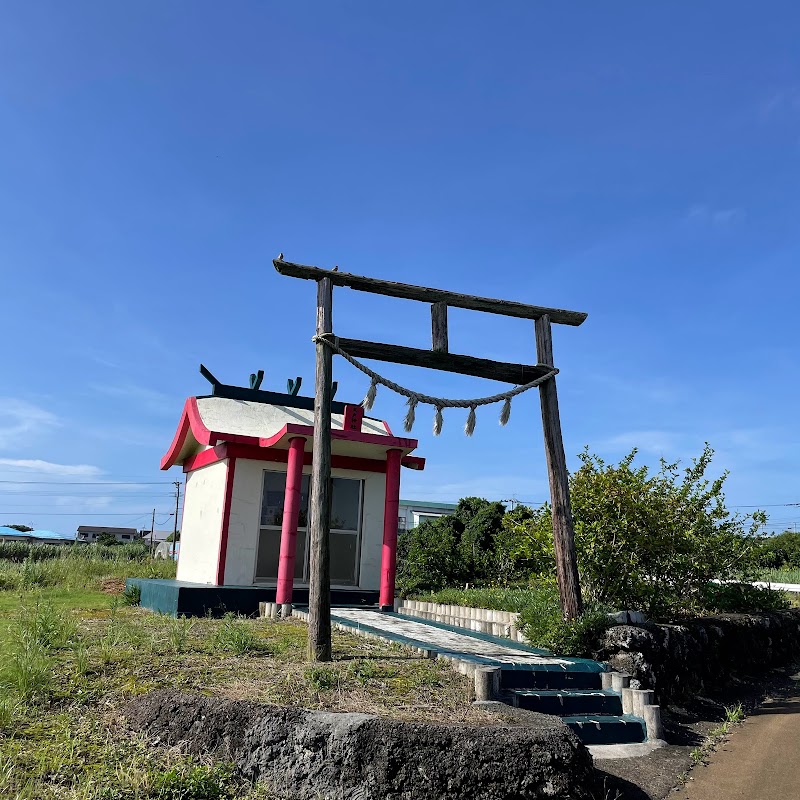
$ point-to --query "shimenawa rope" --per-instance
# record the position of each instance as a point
(439, 403)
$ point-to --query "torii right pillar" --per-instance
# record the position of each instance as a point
(569, 586)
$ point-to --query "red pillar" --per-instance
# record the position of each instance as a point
(291, 514)
(390, 512)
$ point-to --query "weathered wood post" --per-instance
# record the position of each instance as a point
(319, 570)
(569, 586)
(439, 357)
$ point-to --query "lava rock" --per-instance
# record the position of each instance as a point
(317, 755)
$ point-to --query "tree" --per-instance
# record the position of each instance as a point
(20, 528)
(451, 550)
(653, 542)
(524, 545)
(107, 539)
(779, 551)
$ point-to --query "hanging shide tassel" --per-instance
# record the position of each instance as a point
(369, 400)
(438, 421)
(469, 428)
(411, 414)
(506, 412)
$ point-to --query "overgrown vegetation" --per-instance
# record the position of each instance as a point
(24, 567)
(654, 541)
(71, 656)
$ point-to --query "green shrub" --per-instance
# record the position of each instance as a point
(653, 541)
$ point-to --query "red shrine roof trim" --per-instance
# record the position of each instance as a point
(192, 426)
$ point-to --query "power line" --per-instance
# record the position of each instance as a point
(90, 483)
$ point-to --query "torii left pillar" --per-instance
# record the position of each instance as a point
(291, 517)
(390, 512)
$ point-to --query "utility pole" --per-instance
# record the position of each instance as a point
(153, 534)
(177, 485)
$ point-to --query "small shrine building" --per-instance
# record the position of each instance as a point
(246, 454)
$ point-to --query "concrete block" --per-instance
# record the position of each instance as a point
(652, 721)
(605, 680)
(487, 683)
(641, 698)
(627, 701)
(620, 681)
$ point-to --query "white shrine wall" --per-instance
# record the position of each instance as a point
(202, 523)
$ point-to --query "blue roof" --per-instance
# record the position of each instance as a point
(6, 531)
(46, 535)
(52, 535)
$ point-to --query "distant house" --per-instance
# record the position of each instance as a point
(91, 533)
(411, 513)
(35, 537)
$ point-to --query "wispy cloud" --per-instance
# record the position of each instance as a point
(781, 102)
(37, 466)
(703, 214)
(19, 420)
(656, 442)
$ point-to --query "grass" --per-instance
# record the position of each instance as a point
(734, 715)
(496, 598)
(781, 575)
(72, 656)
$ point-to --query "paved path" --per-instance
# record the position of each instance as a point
(760, 760)
(435, 638)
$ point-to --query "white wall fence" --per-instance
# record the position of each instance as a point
(480, 620)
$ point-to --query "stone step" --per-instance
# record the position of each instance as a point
(512, 679)
(570, 702)
(599, 729)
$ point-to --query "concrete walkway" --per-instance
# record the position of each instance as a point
(443, 638)
(760, 760)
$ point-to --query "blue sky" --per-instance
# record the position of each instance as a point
(637, 161)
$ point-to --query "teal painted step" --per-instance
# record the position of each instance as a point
(568, 703)
(538, 678)
(599, 729)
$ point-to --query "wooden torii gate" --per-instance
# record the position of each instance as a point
(439, 357)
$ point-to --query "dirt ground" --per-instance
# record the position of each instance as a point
(675, 772)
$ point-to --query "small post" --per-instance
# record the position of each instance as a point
(390, 511)
(439, 327)
(487, 683)
(569, 586)
(319, 596)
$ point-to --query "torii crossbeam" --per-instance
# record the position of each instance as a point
(438, 357)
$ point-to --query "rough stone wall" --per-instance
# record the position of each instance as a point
(679, 660)
(326, 756)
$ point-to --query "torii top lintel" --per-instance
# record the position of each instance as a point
(508, 308)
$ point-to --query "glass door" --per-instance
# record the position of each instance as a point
(345, 536)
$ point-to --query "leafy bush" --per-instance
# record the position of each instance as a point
(653, 542)
(524, 545)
